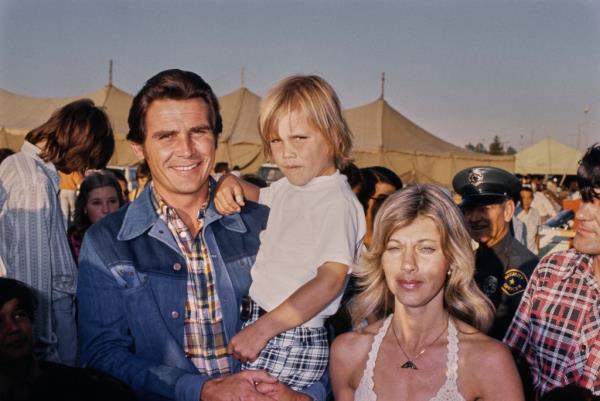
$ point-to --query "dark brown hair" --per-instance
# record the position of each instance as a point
(77, 137)
(81, 220)
(588, 174)
(13, 289)
(176, 85)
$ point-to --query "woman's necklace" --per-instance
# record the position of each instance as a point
(410, 362)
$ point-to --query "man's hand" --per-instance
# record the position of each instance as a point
(237, 387)
(281, 392)
(229, 195)
(247, 344)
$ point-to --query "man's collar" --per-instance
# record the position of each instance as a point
(33, 151)
(141, 216)
(165, 210)
(504, 242)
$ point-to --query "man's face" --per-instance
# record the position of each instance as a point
(587, 237)
(489, 224)
(15, 332)
(179, 147)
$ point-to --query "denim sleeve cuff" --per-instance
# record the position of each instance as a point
(189, 386)
(317, 392)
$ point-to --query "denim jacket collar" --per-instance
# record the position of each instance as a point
(141, 216)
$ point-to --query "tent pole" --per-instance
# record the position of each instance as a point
(110, 72)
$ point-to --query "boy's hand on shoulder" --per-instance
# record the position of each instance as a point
(229, 195)
(247, 344)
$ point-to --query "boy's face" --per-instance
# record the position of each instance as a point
(301, 152)
(526, 199)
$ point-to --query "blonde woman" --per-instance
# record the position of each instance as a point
(418, 275)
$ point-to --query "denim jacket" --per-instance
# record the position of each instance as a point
(132, 292)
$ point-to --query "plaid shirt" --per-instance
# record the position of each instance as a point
(204, 336)
(556, 331)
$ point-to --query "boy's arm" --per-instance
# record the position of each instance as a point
(297, 309)
(230, 194)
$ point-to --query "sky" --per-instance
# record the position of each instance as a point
(464, 70)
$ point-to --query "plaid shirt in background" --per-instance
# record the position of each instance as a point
(204, 336)
(556, 330)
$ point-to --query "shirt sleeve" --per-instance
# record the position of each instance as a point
(590, 349)
(265, 194)
(338, 233)
(518, 333)
(28, 255)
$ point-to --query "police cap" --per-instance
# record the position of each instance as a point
(484, 185)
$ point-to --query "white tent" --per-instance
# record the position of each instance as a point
(548, 156)
(19, 114)
(239, 143)
(385, 137)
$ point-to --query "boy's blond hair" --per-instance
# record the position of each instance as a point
(315, 98)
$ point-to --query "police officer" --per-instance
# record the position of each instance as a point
(502, 264)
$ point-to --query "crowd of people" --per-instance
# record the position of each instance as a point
(334, 282)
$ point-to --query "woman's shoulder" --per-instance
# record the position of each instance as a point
(480, 349)
(355, 345)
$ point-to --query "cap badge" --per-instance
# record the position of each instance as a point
(475, 177)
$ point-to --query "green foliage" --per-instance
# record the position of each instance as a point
(496, 147)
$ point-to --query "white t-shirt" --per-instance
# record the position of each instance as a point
(532, 221)
(319, 222)
(543, 205)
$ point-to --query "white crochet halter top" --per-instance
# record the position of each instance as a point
(448, 391)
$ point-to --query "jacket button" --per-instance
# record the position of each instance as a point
(174, 314)
(177, 267)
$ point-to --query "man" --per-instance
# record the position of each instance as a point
(34, 245)
(23, 377)
(502, 264)
(530, 218)
(556, 331)
(162, 279)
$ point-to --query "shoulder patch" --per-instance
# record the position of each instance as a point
(515, 282)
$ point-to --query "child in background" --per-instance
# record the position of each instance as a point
(313, 235)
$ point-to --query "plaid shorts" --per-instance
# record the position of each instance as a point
(297, 357)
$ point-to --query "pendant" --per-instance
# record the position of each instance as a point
(409, 365)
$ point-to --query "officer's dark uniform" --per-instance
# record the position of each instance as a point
(503, 270)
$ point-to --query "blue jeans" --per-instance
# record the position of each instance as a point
(63, 316)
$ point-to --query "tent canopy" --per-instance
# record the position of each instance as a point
(239, 143)
(382, 135)
(378, 126)
(19, 114)
(385, 137)
(547, 156)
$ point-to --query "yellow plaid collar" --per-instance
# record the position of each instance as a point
(164, 211)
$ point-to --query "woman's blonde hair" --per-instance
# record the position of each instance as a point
(462, 297)
(314, 98)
